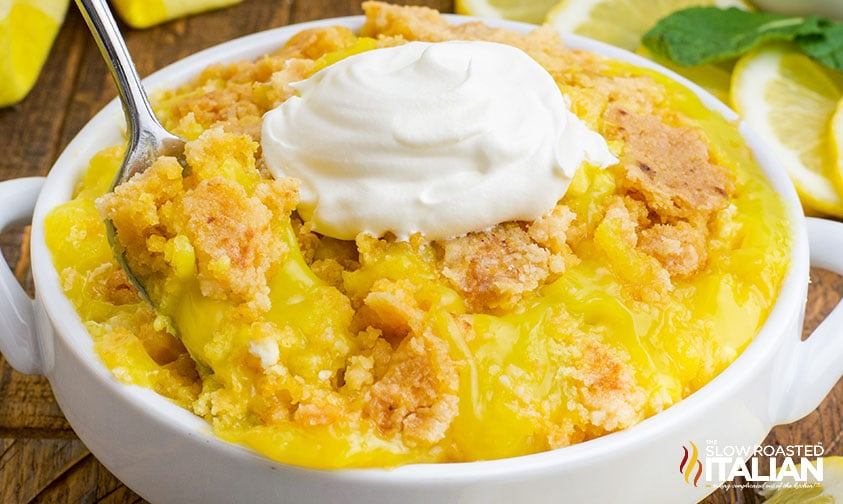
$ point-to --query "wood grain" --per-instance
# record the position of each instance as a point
(41, 460)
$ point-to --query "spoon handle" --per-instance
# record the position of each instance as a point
(146, 135)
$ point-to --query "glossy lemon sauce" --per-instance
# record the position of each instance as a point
(515, 394)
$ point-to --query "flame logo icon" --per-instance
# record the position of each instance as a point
(691, 465)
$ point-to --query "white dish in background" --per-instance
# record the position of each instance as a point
(828, 8)
(167, 454)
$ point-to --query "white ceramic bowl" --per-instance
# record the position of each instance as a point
(166, 454)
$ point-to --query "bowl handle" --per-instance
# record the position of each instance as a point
(819, 359)
(18, 337)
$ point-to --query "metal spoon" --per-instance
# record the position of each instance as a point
(148, 139)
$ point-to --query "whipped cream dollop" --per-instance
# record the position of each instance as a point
(439, 138)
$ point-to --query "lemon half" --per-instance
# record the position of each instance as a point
(529, 11)
(789, 100)
(27, 31)
(619, 22)
(829, 491)
(145, 13)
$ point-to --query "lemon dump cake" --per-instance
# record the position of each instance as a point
(643, 282)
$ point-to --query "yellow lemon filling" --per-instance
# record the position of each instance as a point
(644, 283)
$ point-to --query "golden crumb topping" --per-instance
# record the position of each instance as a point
(519, 338)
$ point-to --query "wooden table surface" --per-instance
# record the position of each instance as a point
(41, 460)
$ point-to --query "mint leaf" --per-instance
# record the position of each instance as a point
(827, 48)
(699, 35)
(707, 34)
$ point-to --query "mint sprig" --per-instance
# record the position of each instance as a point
(699, 35)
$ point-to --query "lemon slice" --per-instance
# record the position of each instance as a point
(836, 144)
(27, 31)
(620, 22)
(145, 13)
(827, 491)
(529, 11)
(714, 78)
(789, 100)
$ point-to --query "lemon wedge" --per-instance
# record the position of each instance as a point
(789, 100)
(620, 22)
(145, 13)
(827, 491)
(27, 31)
(528, 11)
